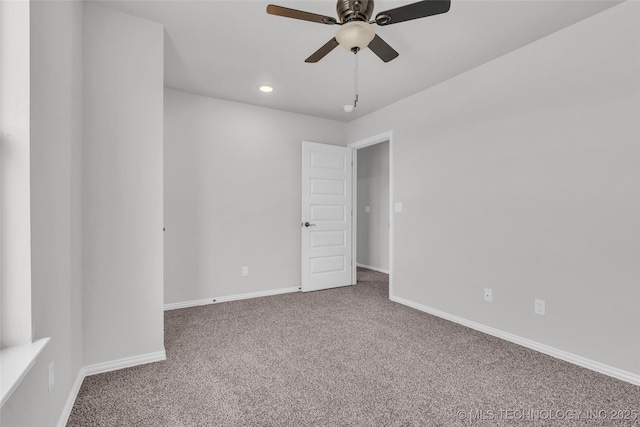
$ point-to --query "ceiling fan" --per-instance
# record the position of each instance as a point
(356, 30)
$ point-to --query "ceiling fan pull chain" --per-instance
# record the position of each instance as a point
(355, 82)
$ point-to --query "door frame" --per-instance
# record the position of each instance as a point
(367, 142)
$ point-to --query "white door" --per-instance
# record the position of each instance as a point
(326, 216)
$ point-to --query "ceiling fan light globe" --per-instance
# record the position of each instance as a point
(355, 34)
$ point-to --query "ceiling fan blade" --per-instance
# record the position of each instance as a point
(411, 11)
(382, 49)
(272, 9)
(322, 52)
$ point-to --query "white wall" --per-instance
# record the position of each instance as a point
(15, 204)
(56, 138)
(373, 191)
(523, 176)
(232, 195)
(122, 198)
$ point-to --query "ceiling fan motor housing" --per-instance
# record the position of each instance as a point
(354, 10)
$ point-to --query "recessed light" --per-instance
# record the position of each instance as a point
(266, 89)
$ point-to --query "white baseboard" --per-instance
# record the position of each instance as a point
(99, 368)
(368, 267)
(542, 348)
(126, 362)
(71, 399)
(177, 305)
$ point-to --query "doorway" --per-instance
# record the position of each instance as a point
(372, 205)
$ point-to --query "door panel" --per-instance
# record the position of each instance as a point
(327, 187)
(327, 213)
(325, 239)
(326, 216)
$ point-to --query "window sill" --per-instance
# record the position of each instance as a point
(15, 363)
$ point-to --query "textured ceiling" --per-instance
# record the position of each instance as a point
(226, 49)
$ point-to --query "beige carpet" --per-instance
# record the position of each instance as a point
(345, 357)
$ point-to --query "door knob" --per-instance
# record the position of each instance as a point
(306, 224)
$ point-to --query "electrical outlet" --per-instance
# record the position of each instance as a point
(52, 377)
(245, 271)
(539, 307)
(488, 295)
(397, 207)
(367, 209)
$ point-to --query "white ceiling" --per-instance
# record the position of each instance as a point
(226, 49)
